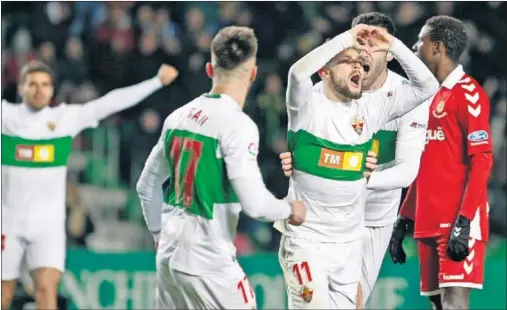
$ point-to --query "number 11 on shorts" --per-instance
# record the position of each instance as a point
(301, 268)
(246, 290)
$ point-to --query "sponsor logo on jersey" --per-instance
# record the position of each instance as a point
(51, 125)
(357, 123)
(438, 112)
(435, 135)
(350, 161)
(417, 125)
(478, 137)
(37, 153)
(253, 149)
(453, 277)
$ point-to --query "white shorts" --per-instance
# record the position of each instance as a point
(375, 243)
(320, 275)
(225, 291)
(39, 248)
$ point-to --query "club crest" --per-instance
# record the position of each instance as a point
(51, 125)
(358, 124)
(307, 294)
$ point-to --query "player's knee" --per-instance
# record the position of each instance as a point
(454, 304)
(46, 286)
(8, 289)
(455, 298)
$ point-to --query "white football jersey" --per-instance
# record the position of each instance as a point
(35, 149)
(206, 143)
(382, 205)
(330, 142)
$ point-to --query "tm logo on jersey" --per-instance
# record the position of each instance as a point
(37, 153)
(478, 137)
(350, 161)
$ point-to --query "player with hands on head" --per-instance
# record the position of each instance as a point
(331, 128)
(208, 148)
(448, 201)
(398, 144)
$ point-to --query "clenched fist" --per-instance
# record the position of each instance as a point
(298, 214)
(167, 74)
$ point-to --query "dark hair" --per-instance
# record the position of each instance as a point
(232, 46)
(31, 67)
(375, 19)
(451, 32)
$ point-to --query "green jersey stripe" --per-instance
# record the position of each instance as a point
(326, 159)
(384, 144)
(199, 177)
(28, 153)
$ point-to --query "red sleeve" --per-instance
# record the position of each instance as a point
(408, 206)
(473, 116)
(474, 120)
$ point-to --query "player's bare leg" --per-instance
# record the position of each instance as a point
(8, 290)
(359, 297)
(436, 302)
(46, 287)
(456, 298)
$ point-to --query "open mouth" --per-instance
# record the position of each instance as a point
(355, 79)
(366, 69)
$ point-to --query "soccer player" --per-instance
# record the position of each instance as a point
(398, 146)
(36, 142)
(330, 134)
(209, 148)
(448, 200)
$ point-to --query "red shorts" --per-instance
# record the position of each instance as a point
(439, 271)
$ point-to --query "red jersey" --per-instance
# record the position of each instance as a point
(458, 128)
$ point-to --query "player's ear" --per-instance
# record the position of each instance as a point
(438, 47)
(210, 70)
(323, 72)
(389, 57)
(253, 76)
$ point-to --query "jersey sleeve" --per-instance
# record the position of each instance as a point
(149, 186)
(421, 86)
(240, 146)
(474, 110)
(88, 115)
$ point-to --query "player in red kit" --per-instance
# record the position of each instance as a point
(448, 200)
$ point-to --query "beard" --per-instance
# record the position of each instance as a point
(341, 86)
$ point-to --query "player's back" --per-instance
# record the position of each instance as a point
(196, 138)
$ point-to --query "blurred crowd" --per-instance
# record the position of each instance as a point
(95, 47)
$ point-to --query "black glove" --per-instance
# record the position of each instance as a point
(396, 244)
(457, 249)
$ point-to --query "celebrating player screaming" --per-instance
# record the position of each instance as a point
(330, 134)
(209, 149)
(448, 200)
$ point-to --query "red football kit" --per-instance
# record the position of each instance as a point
(452, 181)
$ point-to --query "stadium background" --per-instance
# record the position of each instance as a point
(94, 47)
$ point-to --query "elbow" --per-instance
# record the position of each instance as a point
(294, 73)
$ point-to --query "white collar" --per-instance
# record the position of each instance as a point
(454, 77)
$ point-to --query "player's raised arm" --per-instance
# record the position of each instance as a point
(300, 83)
(240, 149)
(90, 113)
(410, 144)
(422, 83)
(149, 187)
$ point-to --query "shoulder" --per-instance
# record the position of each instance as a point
(396, 80)
(7, 106)
(241, 122)
(468, 89)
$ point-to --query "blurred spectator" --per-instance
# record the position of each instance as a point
(272, 103)
(87, 16)
(20, 53)
(73, 67)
